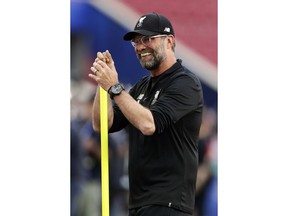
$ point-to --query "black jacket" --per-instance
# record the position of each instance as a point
(163, 166)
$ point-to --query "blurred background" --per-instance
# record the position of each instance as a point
(99, 25)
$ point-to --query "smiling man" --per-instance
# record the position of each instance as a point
(162, 113)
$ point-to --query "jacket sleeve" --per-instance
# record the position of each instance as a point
(182, 96)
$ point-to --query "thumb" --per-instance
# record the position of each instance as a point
(109, 59)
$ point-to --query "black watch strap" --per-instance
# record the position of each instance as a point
(115, 90)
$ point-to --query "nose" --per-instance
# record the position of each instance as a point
(140, 46)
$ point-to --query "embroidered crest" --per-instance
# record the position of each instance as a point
(140, 22)
(156, 97)
(140, 97)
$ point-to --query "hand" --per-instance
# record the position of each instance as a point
(104, 71)
(108, 59)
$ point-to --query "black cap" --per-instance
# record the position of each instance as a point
(151, 24)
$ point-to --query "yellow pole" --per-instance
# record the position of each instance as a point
(104, 152)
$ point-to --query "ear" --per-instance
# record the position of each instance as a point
(170, 40)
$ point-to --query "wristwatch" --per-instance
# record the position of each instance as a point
(115, 90)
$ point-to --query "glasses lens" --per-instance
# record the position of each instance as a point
(135, 42)
(145, 40)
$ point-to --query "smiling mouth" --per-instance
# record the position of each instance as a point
(145, 54)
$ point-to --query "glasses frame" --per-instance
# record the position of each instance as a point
(145, 40)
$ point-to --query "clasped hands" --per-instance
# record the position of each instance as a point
(104, 71)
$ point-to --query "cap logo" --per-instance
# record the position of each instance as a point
(140, 22)
(167, 29)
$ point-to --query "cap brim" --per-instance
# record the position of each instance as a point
(130, 35)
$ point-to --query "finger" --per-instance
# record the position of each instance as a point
(97, 66)
(107, 60)
(96, 59)
(108, 56)
(100, 56)
(95, 78)
(101, 64)
(92, 76)
(94, 70)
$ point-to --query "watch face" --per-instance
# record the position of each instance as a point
(116, 89)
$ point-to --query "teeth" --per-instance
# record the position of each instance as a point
(145, 54)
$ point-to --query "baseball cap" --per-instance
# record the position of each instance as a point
(151, 24)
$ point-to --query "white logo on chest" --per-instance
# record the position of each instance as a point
(140, 97)
(156, 96)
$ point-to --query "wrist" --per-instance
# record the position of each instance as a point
(115, 90)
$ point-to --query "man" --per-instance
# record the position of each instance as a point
(163, 114)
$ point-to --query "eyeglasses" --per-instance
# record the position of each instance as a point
(145, 40)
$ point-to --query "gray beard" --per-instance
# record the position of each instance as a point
(158, 57)
(153, 64)
(155, 61)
